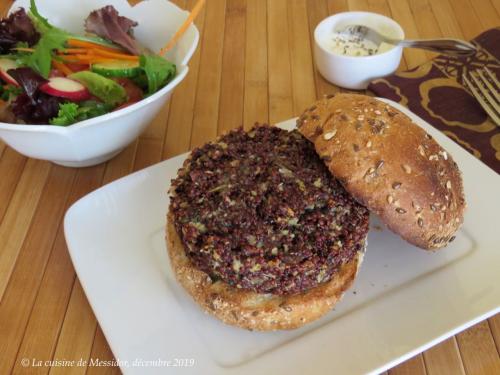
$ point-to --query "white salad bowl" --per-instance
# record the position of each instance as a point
(98, 139)
(356, 72)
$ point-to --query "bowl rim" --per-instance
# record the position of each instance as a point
(181, 73)
(386, 19)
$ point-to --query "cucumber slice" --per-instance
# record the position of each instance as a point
(127, 69)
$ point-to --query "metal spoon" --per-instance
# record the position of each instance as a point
(453, 47)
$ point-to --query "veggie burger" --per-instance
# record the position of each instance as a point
(266, 229)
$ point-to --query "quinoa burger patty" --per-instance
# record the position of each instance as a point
(260, 213)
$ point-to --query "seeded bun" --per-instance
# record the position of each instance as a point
(251, 310)
(390, 165)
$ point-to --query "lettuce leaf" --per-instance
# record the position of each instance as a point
(37, 111)
(32, 106)
(69, 113)
(29, 80)
(158, 71)
(17, 27)
(51, 38)
(66, 115)
(41, 58)
(41, 23)
(107, 23)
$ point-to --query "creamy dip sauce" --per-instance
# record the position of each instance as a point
(352, 45)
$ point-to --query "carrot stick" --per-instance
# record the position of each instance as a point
(86, 60)
(194, 12)
(73, 50)
(85, 44)
(118, 56)
(99, 50)
(61, 67)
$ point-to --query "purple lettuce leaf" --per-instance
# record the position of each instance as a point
(29, 80)
(15, 28)
(108, 24)
(32, 106)
(38, 112)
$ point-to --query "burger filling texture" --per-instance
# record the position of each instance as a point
(260, 211)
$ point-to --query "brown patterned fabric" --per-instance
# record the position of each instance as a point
(434, 91)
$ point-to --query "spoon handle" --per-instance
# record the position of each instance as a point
(453, 47)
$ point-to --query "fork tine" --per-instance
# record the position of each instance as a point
(492, 89)
(482, 102)
(492, 76)
(486, 93)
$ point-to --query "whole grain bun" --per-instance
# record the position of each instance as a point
(251, 310)
(390, 165)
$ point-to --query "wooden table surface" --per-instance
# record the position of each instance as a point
(254, 63)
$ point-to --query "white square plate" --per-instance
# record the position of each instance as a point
(404, 300)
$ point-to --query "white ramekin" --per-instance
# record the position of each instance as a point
(356, 72)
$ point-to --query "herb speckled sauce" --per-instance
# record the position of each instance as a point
(260, 211)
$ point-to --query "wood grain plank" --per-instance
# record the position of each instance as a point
(337, 6)
(448, 23)
(256, 102)
(11, 167)
(25, 280)
(233, 67)
(496, 5)
(279, 66)
(206, 108)
(478, 350)
(102, 353)
(317, 10)
(425, 21)
(50, 305)
(18, 216)
(486, 13)
(413, 366)
(360, 5)
(444, 359)
(379, 6)
(494, 323)
(303, 86)
(467, 18)
(401, 12)
(77, 333)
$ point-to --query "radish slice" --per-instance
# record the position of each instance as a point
(5, 65)
(65, 88)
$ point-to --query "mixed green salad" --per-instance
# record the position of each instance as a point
(51, 76)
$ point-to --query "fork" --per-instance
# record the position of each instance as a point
(484, 86)
(446, 46)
